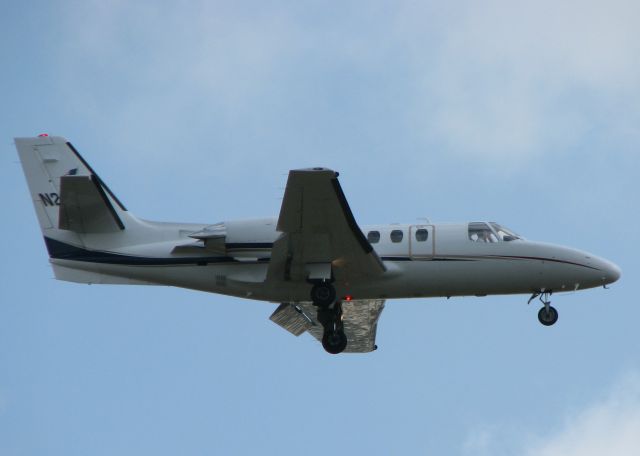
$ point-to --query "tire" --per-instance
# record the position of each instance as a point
(334, 342)
(323, 294)
(548, 318)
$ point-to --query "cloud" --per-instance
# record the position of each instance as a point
(205, 50)
(499, 82)
(480, 441)
(511, 80)
(609, 425)
(170, 69)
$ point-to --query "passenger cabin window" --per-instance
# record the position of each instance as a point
(481, 232)
(396, 236)
(422, 235)
(373, 237)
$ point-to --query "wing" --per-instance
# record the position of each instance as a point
(320, 236)
(360, 319)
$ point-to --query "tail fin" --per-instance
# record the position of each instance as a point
(67, 194)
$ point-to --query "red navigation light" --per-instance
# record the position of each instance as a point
(348, 298)
(43, 135)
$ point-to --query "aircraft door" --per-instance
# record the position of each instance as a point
(421, 241)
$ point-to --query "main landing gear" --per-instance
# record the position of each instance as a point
(334, 340)
(323, 295)
(547, 315)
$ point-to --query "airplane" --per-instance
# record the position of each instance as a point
(329, 276)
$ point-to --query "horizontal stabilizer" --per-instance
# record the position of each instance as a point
(214, 238)
(84, 206)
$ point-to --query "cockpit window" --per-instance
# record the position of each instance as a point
(481, 232)
(490, 232)
(504, 234)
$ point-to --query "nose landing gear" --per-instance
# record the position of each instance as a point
(547, 315)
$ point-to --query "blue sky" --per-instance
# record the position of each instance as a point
(523, 113)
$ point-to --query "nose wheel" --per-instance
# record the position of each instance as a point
(547, 315)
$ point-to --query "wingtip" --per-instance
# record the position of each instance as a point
(316, 170)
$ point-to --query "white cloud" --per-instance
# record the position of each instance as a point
(480, 441)
(153, 71)
(510, 80)
(608, 426)
(203, 49)
(499, 81)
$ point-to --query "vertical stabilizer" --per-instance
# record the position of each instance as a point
(69, 198)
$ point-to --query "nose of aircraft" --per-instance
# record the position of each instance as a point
(611, 272)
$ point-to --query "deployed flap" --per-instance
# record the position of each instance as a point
(84, 206)
(292, 318)
(318, 227)
(360, 320)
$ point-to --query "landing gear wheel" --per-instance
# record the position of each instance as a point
(323, 294)
(548, 316)
(334, 342)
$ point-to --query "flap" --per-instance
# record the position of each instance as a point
(292, 318)
(359, 317)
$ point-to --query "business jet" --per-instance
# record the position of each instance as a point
(328, 276)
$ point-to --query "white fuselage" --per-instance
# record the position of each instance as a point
(330, 276)
(446, 263)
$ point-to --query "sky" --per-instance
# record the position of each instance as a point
(526, 113)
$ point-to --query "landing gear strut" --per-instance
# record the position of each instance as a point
(547, 315)
(323, 295)
(334, 340)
